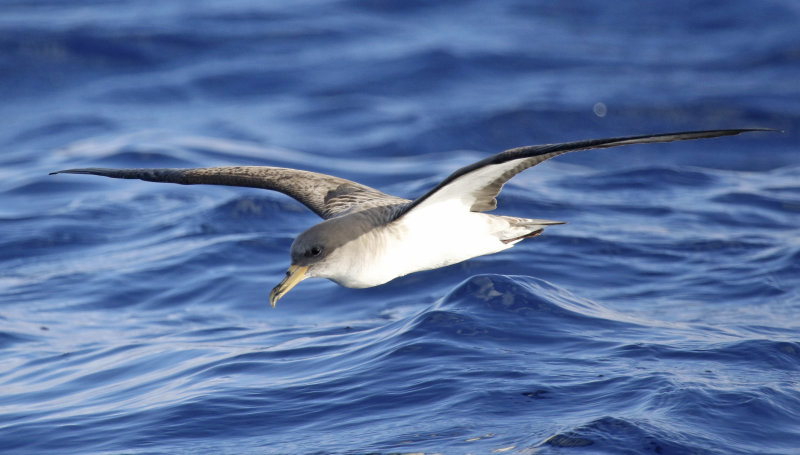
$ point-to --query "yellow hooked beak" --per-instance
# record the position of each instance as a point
(294, 275)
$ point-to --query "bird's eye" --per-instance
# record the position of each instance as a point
(314, 251)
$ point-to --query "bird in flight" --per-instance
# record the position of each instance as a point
(368, 238)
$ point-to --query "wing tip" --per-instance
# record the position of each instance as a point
(74, 171)
(755, 130)
(64, 171)
(103, 172)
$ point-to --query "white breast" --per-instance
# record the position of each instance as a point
(440, 235)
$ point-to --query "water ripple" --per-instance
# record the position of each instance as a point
(662, 318)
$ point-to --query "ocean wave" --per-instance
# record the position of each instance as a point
(134, 317)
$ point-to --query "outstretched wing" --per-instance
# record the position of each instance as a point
(476, 186)
(325, 195)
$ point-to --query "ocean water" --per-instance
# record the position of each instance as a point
(663, 318)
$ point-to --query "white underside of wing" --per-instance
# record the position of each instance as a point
(463, 188)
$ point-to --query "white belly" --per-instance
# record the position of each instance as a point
(433, 238)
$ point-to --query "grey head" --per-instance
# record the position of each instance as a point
(316, 252)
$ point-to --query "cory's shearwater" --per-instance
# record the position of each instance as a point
(368, 238)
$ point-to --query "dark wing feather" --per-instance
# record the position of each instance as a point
(478, 184)
(325, 195)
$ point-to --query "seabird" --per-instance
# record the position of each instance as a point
(368, 238)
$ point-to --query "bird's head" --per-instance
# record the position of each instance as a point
(315, 252)
(309, 250)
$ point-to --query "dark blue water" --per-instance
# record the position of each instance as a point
(664, 318)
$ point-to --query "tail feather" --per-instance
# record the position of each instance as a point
(521, 222)
(524, 228)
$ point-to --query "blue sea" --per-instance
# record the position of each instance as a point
(664, 318)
